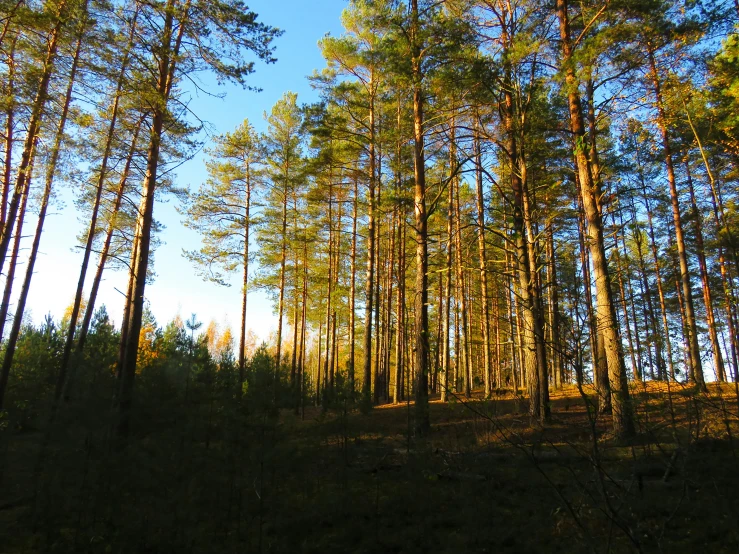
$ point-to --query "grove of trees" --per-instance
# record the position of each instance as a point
(490, 197)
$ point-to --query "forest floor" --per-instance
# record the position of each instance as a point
(484, 480)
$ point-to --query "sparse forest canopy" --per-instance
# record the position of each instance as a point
(501, 246)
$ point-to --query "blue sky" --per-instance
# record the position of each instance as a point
(177, 288)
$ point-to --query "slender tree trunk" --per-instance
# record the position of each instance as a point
(600, 370)
(528, 320)
(303, 316)
(554, 318)
(540, 388)
(720, 221)
(389, 301)
(658, 278)
(102, 260)
(245, 277)
(419, 166)
(49, 180)
(718, 360)
(458, 266)
(337, 276)
(636, 366)
(402, 336)
(317, 380)
(329, 293)
(512, 303)
(296, 320)
(446, 360)
(92, 230)
(370, 274)
(694, 359)
(623, 423)
(281, 300)
(33, 128)
(353, 286)
(377, 304)
(647, 298)
(10, 277)
(9, 91)
(482, 253)
(137, 280)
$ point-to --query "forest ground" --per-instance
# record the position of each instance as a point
(484, 480)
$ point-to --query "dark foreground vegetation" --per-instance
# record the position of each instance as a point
(206, 469)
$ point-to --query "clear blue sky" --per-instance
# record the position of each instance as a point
(177, 288)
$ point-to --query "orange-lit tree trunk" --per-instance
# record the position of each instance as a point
(51, 166)
(33, 127)
(623, 423)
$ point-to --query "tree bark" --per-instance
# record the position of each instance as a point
(353, 286)
(33, 128)
(718, 360)
(10, 277)
(419, 167)
(694, 359)
(482, 253)
(169, 50)
(369, 289)
(99, 186)
(49, 180)
(623, 423)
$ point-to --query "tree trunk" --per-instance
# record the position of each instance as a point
(718, 360)
(10, 277)
(458, 265)
(369, 289)
(446, 360)
(623, 423)
(137, 279)
(482, 253)
(9, 91)
(353, 286)
(694, 359)
(102, 260)
(33, 128)
(636, 366)
(329, 292)
(554, 319)
(419, 166)
(99, 186)
(245, 278)
(647, 298)
(281, 300)
(49, 180)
